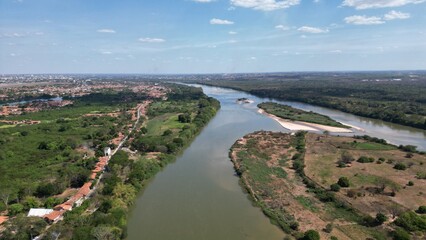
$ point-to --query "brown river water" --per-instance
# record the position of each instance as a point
(199, 197)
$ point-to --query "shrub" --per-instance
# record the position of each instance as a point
(400, 166)
(408, 148)
(294, 225)
(410, 221)
(381, 218)
(335, 187)
(410, 183)
(328, 228)
(400, 234)
(167, 132)
(333, 238)
(311, 235)
(421, 210)
(421, 175)
(343, 182)
(364, 159)
(351, 193)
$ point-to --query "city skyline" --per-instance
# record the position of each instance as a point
(211, 36)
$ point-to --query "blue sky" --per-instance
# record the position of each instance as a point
(211, 36)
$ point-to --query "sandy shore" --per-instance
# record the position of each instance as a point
(304, 126)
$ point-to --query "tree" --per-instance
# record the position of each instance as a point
(343, 182)
(311, 235)
(125, 192)
(23, 227)
(78, 180)
(15, 208)
(31, 202)
(184, 118)
(106, 233)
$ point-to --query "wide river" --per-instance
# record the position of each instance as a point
(198, 196)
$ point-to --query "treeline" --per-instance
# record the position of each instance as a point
(401, 102)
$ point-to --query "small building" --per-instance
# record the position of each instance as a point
(107, 151)
(38, 212)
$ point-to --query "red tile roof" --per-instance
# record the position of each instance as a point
(67, 206)
(54, 215)
(3, 219)
(93, 175)
(85, 189)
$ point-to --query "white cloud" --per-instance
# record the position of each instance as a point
(282, 27)
(365, 4)
(312, 29)
(216, 21)
(106, 52)
(265, 5)
(336, 51)
(152, 40)
(13, 54)
(396, 15)
(364, 20)
(105, 30)
(232, 33)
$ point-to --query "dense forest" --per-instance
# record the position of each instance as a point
(392, 98)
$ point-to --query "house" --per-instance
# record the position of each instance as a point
(107, 151)
(38, 212)
(54, 216)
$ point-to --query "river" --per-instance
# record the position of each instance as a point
(198, 196)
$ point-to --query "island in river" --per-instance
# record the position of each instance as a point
(296, 119)
(344, 187)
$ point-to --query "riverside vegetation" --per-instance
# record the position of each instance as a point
(393, 97)
(287, 112)
(334, 187)
(45, 172)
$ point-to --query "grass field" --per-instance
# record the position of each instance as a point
(372, 184)
(303, 193)
(281, 194)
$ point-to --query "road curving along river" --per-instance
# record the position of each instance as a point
(198, 196)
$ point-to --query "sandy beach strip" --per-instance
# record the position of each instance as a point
(304, 126)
